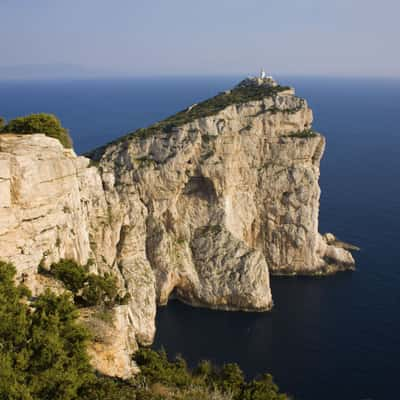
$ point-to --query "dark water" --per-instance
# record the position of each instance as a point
(326, 338)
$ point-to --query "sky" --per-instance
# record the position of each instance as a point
(203, 37)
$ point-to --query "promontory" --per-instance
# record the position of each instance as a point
(202, 207)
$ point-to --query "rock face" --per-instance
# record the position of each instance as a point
(41, 213)
(201, 211)
(52, 206)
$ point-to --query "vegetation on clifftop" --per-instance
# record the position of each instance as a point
(48, 124)
(43, 356)
(212, 106)
(165, 379)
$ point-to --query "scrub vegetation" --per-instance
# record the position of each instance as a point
(43, 355)
(48, 124)
(238, 95)
(306, 133)
(88, 289)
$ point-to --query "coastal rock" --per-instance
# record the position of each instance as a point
(113, 341)
(53, 206)
(201, 209)
(252, 169)
(41, 215)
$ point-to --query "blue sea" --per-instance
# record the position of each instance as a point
(326, 338)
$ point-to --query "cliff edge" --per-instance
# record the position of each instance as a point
(201, 207)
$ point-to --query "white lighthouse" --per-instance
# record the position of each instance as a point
(261, 80)
(264, 79)
(264, 76)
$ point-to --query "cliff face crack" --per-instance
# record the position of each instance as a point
(33, 219)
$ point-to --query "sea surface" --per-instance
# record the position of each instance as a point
(326, 338)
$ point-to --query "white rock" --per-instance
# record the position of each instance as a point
(202, 213)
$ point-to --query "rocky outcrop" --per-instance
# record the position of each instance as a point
(52, 206)
(200, 207)
(42, 217)
(251, 170)
(113, 341)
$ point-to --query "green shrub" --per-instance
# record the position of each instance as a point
(100, 290)
(104, 388)
(262, 389)
(230, 379)
(204, 369)
(156, 367)
(48, 124)
(2, 123)
(227, 382)
(306, 133)
(70, 273)
(88, 289)
(43, 357)
(43, 348)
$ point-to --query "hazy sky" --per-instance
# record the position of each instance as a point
(174, 37)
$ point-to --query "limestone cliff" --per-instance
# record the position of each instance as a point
(200, 207)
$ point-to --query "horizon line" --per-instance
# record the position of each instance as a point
(183, 76)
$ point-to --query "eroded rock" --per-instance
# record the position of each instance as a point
(202, 211)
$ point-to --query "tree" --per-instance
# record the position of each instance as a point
(48, 124)
(59, 364)
(43, 357)
(231, 379)
(262, 389)
(88, 289)
(70, 273)
(42, 346)
(100, 290)
(14, 334)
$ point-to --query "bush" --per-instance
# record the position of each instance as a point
(100, 290)
(43, 348)
(88, 289)
(48, 124)
(306, 133)
(70, 273)
(43, 357)
(2, 123)
(230, 379)
(262, 389)
(227, 382)
(104, 388)
(156, 367)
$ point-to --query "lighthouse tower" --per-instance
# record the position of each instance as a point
(264, 79)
